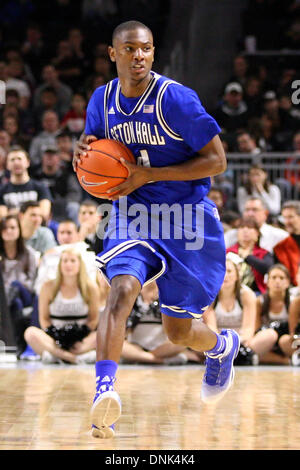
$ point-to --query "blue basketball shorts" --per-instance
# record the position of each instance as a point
(188, 280)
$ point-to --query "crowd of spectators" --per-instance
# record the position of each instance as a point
(47, 223)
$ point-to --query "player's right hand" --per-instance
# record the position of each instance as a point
(81, 148)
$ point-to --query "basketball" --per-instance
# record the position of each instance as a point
(101, 169)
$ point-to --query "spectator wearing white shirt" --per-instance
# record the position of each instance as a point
(259, 186)
(67, 235)
(270, 236)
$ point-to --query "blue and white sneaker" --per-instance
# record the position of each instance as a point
(106, 409)
(103, 433)
(219, 373)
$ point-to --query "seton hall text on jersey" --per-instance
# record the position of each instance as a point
(136, 132)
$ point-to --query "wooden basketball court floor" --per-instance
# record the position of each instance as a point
(46, 407)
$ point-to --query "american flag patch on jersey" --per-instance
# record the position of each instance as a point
(148, 108)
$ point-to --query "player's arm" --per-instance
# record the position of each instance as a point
(210, 161)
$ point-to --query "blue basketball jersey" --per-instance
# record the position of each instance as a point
(165, 126)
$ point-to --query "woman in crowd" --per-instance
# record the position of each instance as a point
(234, 307)
(68, 314)
(255, 261)
(272, 341)
(258, 185)
(18, 264)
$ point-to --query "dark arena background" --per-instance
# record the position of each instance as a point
(242, 57)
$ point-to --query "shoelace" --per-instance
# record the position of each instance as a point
(106, 386)
(212, 370)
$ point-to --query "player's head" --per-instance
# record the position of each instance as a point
(133, 51)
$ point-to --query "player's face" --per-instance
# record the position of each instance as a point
(133, 53)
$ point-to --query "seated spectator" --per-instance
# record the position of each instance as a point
(89, 218)
(4, 174)
(34, 49)
(295, 291)
(74, 120)
(39, 238)
(240, 70)
(253, 96)
(49, 102)
(258, 185)
(146, 341)
(67, 236)
(254, 260)
(230, 220)
(21, 187)
(64, 187)
(12, 126)
(11, 82)
(68, 314)
(294, 330)
(46, 138)
(246, 143)
(287, 251)
(64, 145)
(232, 114)
(5, 140)
(68, 65)
(292, 172)
(24, 116)
(270, 236)
(234, 307)
(272, 341)
(63, 92)
(18, 264)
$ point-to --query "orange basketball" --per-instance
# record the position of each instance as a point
(101, 169)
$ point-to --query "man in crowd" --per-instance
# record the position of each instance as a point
(38, 237)
(21, 187)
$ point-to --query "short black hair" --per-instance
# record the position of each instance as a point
(26, 205)
(129, 26)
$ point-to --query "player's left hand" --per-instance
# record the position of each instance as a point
(137, 177)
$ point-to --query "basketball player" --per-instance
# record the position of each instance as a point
(177, 148)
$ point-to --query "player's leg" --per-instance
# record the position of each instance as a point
(106, 408)
(220, 350)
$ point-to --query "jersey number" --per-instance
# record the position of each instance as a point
(143, 158)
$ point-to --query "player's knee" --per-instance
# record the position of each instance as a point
(177, 336)
(123, 295)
